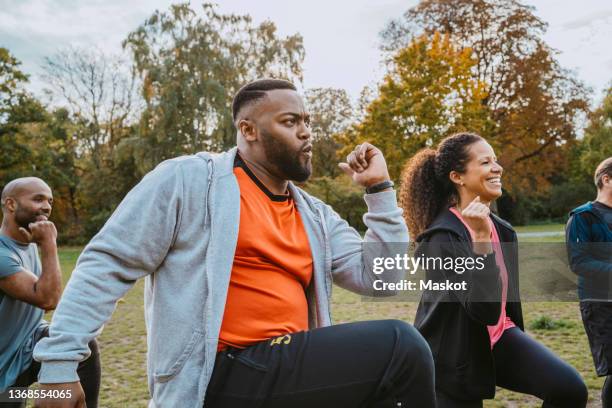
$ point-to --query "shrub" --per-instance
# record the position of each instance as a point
(547, 323)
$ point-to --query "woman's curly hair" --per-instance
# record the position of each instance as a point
(425, 186)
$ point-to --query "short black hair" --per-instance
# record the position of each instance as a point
(256, 90)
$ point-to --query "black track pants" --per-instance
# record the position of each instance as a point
(375, 364)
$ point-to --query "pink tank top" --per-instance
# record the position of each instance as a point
(504, 322)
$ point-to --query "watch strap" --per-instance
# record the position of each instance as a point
(378, 187)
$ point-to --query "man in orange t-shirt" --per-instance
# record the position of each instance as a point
(269, 355)
(239, 265)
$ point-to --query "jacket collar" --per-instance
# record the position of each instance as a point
(224, 162)
(303, 201)
(224, 166)
(445, 221)
(587, 207)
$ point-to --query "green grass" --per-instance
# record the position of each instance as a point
(566, 338)
(540, 228)
(557, 228)
(543, 239)
(123, 341)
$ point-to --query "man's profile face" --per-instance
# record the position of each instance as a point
(33, 203)
(284, 128)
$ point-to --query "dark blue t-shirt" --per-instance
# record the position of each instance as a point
(19, 321)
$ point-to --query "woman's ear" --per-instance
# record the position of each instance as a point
(456, 178)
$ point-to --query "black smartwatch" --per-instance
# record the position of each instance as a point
(378, 187)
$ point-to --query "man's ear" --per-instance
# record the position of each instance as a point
(248, 129)
(10, 204)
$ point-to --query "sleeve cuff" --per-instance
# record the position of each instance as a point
(54, 372)
(384, 201)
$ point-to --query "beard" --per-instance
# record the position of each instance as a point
(23, 216)
(286, 161)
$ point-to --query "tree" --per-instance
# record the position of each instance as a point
(499, 32)
(191, 65)
(15, 107)
(331, 113)
(100, 92)
(344, 196)
(52, 157)
(534, 104)
(597, 143)
(38, 143)
(428, 93)
(11, 81)
(101, 99)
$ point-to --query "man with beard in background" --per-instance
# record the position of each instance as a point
(239, 264)
(30, 285)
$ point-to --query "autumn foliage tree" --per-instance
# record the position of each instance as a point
(429, 92)
(533, 103)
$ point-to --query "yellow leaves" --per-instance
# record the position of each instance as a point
(429, 92)
(147, 87)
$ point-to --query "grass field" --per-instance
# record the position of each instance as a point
(123, 341)
(540, 228)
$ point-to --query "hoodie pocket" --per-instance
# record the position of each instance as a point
(166, 375)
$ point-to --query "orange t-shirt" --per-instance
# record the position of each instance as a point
(272, 267)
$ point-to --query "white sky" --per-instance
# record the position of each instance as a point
(340, 36)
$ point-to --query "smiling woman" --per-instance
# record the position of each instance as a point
(446, 194)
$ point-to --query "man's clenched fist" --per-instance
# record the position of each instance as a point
(73, 396)
(40, 232)
(366, 165)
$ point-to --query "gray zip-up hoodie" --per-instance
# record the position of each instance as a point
(178, 228)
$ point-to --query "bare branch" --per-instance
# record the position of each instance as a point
(98, 89)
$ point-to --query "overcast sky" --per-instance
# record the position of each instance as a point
(340, 36)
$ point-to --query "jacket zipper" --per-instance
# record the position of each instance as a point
(211, 171)
(326, 271)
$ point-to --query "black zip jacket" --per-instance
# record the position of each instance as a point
(454, 322)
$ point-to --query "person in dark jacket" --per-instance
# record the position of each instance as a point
(589, 245)
(476, 335)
